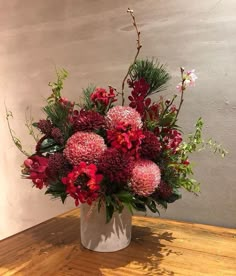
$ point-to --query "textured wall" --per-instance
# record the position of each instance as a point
(95, 41)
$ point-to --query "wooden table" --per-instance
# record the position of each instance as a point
(158, 247)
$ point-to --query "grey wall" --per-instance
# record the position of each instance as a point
(95, 41)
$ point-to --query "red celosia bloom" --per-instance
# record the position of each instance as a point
(84, 146)
(146, 177)
(138, 99)
(118, 115)
(101, 96)
(45, 126)
(35, 167)
(116, 165)
(87, 120)
(57, 165)
(151, 146)
(172, 139)
(83, 183)
(57, 135)
(124, 138)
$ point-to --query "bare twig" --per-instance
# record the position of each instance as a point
(29, 124)
(182, 92)
(15, 140)
(139, 46)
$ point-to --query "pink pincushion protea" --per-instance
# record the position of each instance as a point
(84, 146)
(123, 114)
(146, 177)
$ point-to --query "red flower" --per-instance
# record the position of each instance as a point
(138, 98)
(172, 139)
(126, 139)
(101, 96)
(83, 184)
(35, 167)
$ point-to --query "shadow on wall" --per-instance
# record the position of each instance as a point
(62, 249)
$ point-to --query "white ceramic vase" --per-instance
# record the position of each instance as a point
(97, 235)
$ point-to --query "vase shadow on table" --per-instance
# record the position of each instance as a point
(61, 237)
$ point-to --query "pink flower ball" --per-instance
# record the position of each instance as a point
(123, 115)
(84, 146)
(146, 177)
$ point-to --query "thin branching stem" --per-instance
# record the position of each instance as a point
(182, 93)
(139, 46)
(15, 140)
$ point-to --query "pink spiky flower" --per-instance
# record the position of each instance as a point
(118, 115)
(146, 177)
(84, 146)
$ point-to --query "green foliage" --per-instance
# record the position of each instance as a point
(87, 103)
(57, 189)
(57, 86)
(153, 72)
(49, 146)
(58, 115)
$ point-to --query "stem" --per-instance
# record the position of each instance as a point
(15, 140)
(182, 92)
(139, 46)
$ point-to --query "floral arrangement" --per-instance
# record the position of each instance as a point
(112, 154)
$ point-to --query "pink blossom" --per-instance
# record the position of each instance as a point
(123, 115)
(189, 79)
(146, 177)
(84, 146)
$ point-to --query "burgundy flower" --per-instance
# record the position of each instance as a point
(57, 135)
(164, 190)
(116, 165)
(35, 167)
(57, 164)
(151, 146)
(83, 183)
(45, 127)
(87, 121)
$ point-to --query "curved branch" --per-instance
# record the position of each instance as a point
(139, 46)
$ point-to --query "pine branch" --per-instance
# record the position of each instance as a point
(152, 72)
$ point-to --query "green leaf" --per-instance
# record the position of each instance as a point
(153, 72)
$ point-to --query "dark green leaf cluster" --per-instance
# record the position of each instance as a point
(153, 72)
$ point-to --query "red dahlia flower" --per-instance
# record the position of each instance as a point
(35, 167)
(83, 183)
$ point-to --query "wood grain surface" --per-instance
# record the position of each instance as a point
(158, 247)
